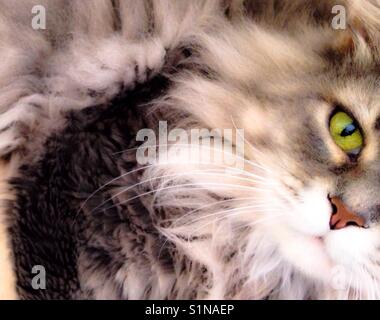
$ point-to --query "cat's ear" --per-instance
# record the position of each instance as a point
(347, 40)
(353, 42)
(361, 34)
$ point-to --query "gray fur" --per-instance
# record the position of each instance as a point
(105, 227)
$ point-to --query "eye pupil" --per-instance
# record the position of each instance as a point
(346, 132)
(349, 130)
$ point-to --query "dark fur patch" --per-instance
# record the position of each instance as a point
(46, 226)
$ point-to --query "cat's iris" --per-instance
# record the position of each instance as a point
(346, 132)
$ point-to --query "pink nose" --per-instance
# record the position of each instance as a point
(342, 217)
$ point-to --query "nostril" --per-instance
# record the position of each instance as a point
(352, 223)
(334, 208)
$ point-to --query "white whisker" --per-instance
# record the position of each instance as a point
(228, 211)
(205, 186)
(195, 172)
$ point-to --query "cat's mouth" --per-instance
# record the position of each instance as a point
(341, 253)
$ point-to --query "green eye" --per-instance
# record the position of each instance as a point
(346, 133)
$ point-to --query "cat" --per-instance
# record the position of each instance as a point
(298, 221)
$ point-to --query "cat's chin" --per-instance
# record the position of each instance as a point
(352, 246)
(355, 254)
(336, 259)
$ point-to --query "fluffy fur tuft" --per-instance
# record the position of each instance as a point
(192, 229)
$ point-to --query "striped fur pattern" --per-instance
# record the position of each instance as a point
(73, 97)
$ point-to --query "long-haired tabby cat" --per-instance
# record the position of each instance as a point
(300, 217)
